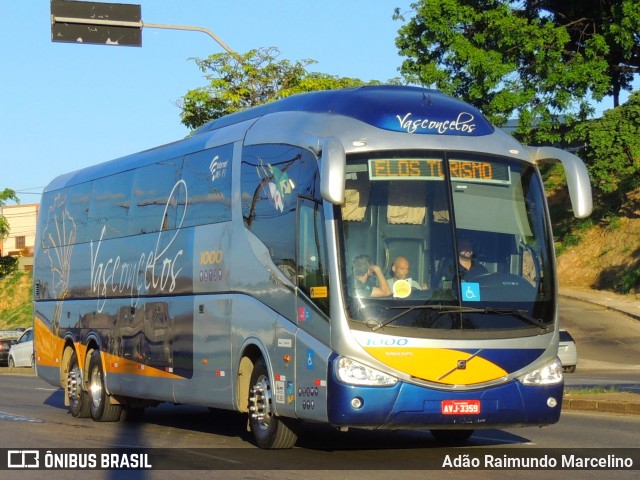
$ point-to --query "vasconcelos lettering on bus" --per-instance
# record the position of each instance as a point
(464, 123)
(155, 269)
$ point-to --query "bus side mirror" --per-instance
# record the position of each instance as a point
(333, 166)
(577, 177)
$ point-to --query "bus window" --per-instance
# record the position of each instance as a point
(153, 206)
(207, 175)
(273, 177)
(109, 206)
(64, 216)
(486, 206)
(311, 265)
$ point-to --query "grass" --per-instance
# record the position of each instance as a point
(21, 316)
(630, 280)
(590, 390)
(20, 313)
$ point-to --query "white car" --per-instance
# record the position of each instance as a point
(21, 353)
(567, 352)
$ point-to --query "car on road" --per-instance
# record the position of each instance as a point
(567, 352)
(21, 352)
(7, 338)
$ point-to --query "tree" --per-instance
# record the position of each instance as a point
(616, 22)
(237, 82)
(521, 58)
(612, 147)
(5, 196)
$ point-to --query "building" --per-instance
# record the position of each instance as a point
(22, 221)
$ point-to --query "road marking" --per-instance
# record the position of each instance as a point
(18, 418)
(502, 440)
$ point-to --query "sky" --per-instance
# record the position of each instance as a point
(67, 106)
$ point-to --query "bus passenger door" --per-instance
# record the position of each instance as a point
(312, 303)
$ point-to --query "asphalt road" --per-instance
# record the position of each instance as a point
(608, 343)
(32, 415)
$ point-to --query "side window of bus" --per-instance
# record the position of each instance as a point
(273, 177)
(109, 206)
(63, 220)
(207, 175)
(312, 265)
(155, 194)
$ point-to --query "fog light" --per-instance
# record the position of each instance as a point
(552, 402)
(356, 403)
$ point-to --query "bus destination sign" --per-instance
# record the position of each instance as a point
(431, 169)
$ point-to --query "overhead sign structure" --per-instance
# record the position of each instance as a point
(108, 24)
(96, 23)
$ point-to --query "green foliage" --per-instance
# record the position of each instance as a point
(6, 195)
(553, 176)
(20, 316)
(630, 281)
(614, 23)
(18, 287)
(612, 147)
(613, 222)
(8, 265)
(518, 58)
(237, 82)
(589, 390)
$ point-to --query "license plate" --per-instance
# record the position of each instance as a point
(460, 407)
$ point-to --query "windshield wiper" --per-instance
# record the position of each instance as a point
(440, 308)
(522, 314)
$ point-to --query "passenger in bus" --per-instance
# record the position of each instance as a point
(368, 278)
(400, 269)
(468, 266)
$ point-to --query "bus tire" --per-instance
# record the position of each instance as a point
(102, 410)
(77, 396)
(451, 436)
(269, 430)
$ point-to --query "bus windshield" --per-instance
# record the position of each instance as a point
(446, 241)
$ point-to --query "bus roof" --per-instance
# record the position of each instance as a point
(403, 109)
(390, 107)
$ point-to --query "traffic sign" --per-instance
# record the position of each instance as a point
(96, 23)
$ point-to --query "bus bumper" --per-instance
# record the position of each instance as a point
(406, 405)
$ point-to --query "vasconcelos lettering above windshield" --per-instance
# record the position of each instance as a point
(463, 123)
(431, 169)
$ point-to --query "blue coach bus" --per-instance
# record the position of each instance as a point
(376, 258)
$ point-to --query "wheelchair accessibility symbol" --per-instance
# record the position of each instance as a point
(470, 292)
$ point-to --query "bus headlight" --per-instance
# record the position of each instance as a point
(355, 373)
(549, 374)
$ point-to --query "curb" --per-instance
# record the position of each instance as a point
(601, 406)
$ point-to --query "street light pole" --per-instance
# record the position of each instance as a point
(140, 24)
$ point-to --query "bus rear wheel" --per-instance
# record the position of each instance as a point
(269, 430)
(78, 398)
(102, 410)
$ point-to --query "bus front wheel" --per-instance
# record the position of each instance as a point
(269, 430)
(102, 410)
